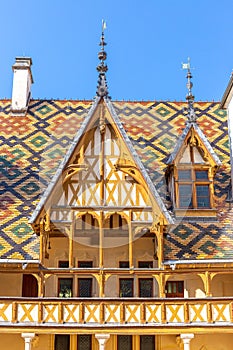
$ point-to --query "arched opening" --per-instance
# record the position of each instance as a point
(29, 286)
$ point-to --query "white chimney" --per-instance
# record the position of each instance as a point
(22, 80)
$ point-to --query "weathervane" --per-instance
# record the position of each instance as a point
(102, 68)
(189, 97)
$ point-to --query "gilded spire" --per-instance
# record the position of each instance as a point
(190, 112)
(102, 68)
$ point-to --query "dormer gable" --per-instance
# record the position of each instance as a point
(190, 174)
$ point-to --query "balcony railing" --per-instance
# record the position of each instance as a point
(39, 312)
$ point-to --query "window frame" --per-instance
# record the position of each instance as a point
(145, 279)
(82, 279)
(145, 264)
(59, 287)
(143, 336)
(132, 290)
(88, 336)
(60, 336)
(193, 182)
(173, 294)
(127, 336)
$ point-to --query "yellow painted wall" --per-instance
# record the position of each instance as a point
(10, 284)
(16, 342)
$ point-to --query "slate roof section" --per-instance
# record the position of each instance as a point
(32, 147)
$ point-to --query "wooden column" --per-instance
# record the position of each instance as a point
(101, 236)
(160, 246)
(41, 285)
(131, 265)
(71, 240)
(42, 241)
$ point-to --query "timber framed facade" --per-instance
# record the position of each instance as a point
(116, 222)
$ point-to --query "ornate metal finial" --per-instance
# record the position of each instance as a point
(102, 68)
(190, 112)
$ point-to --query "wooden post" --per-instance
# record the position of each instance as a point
(42, 241)
(131, 265)
(101, 236)
(160, 246)
(41, 285)
(71, 240)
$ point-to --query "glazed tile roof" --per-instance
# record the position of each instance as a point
(32, 147)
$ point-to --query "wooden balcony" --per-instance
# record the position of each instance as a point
(119, 312)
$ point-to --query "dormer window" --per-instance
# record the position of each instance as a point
(193, 189)
(190, 174)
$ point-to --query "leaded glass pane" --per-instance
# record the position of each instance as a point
(62, 342)
(185, 195)
(84, 342)
(185, 174)
(201, 175)
(146, 287)
(124, 342)
(147, 342)
(126, 287)
(203, 196)
(85, 287)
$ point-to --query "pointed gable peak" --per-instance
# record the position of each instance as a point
(193, 137)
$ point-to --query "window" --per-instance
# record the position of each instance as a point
(124, 342)
(147, 342)
(145, 264)
(126, 287)
(85, 287)
(63, 264)
(62, 342)
(193, 189)
(84, 342)
(124, 264)
(175, 289)
(145, 287)
(85, 264)
(65, 287)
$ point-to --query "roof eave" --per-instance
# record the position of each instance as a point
(228, 94)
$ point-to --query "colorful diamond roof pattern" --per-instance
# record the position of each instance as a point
(32, 147)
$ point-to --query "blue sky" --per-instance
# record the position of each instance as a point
(147, 41)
